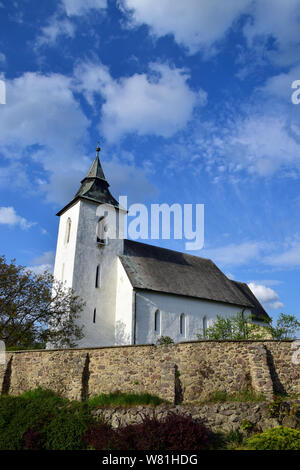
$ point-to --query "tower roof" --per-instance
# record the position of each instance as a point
(94, 187)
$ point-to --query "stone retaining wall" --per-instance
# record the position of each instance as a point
(183, 372)
(223, 417)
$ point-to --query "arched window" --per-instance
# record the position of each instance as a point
(102, 230)
(182, 324)
(204, 326)
(68, 231)
(157, 321)
(98, 276)
(94, 316)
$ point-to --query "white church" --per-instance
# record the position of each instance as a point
(135, 292)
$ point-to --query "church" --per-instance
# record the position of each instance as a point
(136, 292)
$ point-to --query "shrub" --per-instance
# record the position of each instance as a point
(280, 438)
(99, 437)
(164, 340)
(66, 428)
(175, 432)
(32, 440)
(28, 411)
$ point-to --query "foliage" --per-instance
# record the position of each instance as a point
(274, 408)
(124, 399)
(65, 430)
(239, 327)
(280, 438)
(236, 327)
(286, 327)
(164, 340)
(247, 425)
(246, 395)
(28, 411)
(175, 432)
(36, 309)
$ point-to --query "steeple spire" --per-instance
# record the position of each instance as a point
(94, 186)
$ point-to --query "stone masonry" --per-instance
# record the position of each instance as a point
(181, 373)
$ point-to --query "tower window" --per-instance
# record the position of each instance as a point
(68, 230)
(102, 230)
(182, 324)
(157, 321)
(94, 316)
(98, 276)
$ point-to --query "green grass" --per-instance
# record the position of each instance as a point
(221, 396)
(124, 399)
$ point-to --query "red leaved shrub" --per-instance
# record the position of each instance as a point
(175, 432)
(32, 440)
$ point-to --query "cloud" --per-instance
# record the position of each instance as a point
(281, 24)
(43, 123)
(42, 263)
(267, 296)
(204, 23)
(2, 58)
(235, 254)
(8, 216)
(159, 103)
(39, 123)
(289, 258)
(53, 30)
(196, 25)
(81, 7)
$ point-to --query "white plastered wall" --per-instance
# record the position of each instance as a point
(171, 307)
(124, 308)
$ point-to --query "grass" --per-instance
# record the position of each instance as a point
(125, 400)
(221, 396)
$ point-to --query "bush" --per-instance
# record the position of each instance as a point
(66, 428)
(29, 411)
(175, 432)
(164, 340)
(280, 438)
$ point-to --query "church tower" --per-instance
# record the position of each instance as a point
(90, 238)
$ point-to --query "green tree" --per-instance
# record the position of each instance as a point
(286, 327)
(36, 309)
(240, 326)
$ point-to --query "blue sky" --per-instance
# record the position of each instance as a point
(192, 104)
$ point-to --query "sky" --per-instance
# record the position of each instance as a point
(191, 102)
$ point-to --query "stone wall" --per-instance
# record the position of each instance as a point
(184, 372)
(223, 417)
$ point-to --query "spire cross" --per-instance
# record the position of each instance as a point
(98, 149)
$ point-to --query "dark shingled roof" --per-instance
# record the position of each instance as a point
(258, 311)
(158, 269)
(94, 188)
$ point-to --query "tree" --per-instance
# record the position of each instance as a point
(286, 327)
(240, 326)
(36, 309)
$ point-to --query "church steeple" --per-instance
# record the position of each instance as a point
(94, 186)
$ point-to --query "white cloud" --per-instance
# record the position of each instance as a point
(280, 21)
(288, 258)
(234, 254)
(8, 216)
(42, 263)
(43, 122)
(81, 7)
(42, 115)
(159, 103)
(267, 296)
(54, 29)
(196, 24)
(2, 58)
